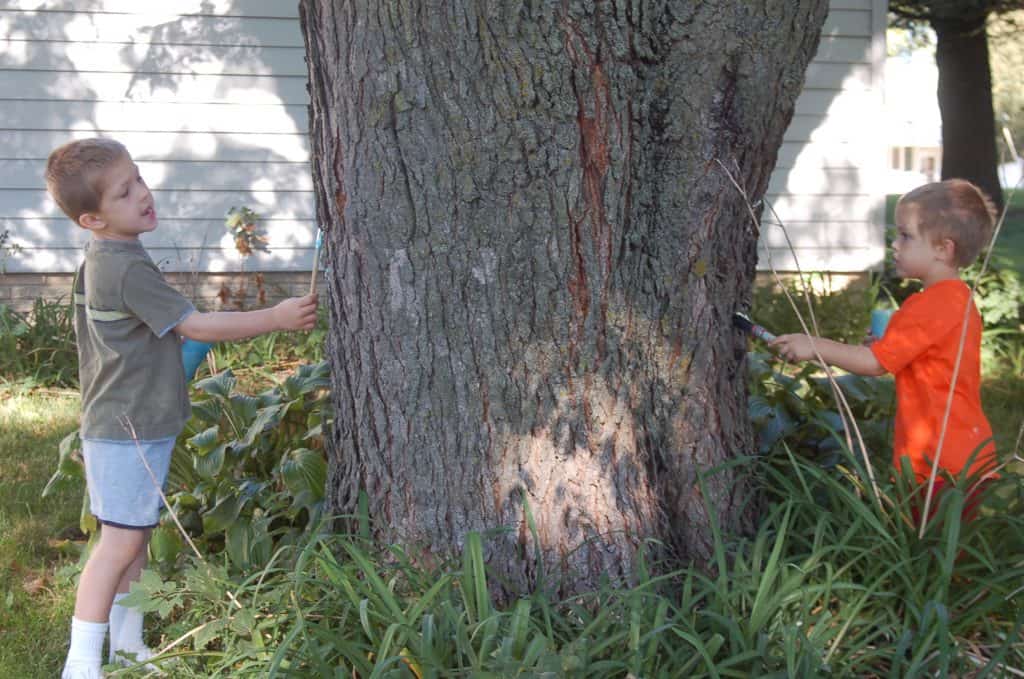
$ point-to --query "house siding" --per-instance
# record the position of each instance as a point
(210, 97)
(827, 194)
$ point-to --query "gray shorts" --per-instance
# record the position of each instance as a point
(122, 493)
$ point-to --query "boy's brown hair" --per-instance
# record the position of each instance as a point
(75, 173)
(955, 209)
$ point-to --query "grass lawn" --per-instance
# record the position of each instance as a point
(35, 604)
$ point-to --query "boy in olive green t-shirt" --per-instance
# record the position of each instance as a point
(128, 325)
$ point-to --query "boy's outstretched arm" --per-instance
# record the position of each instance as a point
(296, 313)
(854, 358)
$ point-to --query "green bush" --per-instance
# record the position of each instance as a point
(832, 584)
(802, 411)
(39, 346)
(842, 314)
(247, 473)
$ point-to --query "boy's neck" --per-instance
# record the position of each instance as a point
(114, 237)
(939, 275)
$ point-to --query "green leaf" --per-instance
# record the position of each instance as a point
(245, 406)
(223, 514)
(207, 411)
(206, 440)
(305, 474)
(165, 543)
(268, 418)
(208, 466)
(220, 385)
(209, 632)
(69, 464)
(237, 541)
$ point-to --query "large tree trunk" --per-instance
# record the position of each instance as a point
(535, 256)
(965, 102)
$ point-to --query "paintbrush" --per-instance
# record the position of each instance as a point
(743, 322)
(316, 260)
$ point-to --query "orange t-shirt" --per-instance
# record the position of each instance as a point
(919, 347)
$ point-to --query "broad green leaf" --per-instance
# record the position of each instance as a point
(220, 385)
(206, 440)
(304, 472)
(207, 411)
(267, 418)
(223, 514)
(165, 543)
(208, 466)
(245, 406)
(237, 541)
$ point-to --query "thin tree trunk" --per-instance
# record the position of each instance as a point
(965, 102)
(535, 256)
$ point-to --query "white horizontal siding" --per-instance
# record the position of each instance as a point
(260, 177)
(130, 116)
(152, 28)
(183, 145)
(826, 189)
(164, 88)
(281, 9)
(152, 59)
(208, 95)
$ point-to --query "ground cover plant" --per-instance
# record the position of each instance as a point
(833, 581)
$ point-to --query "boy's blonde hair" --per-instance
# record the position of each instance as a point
(955, 209)
(75, 173)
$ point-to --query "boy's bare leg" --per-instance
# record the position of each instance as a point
(117, 552)
(135, 569)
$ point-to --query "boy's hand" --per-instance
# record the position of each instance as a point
(296, 313)
(796, 347)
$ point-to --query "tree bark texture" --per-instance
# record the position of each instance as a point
(965, 103)
(535, 254)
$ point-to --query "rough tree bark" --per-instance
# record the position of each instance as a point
(535, 253)
(965, 103)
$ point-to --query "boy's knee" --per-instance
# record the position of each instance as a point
(123, 544)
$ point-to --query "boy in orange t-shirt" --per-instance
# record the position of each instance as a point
(942, 228)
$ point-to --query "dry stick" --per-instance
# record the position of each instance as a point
(956, 370)
(845, 410)
(844, 406)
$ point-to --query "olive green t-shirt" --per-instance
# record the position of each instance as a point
(129, 360)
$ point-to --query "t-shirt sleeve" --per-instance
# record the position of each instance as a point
(152, 299)
(923, 321)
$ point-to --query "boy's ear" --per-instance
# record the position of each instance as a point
(91, 221)
(946, 249)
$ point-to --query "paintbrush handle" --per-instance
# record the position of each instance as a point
(316, 261)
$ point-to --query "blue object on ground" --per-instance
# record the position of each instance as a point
(880, 321)
(192, 354)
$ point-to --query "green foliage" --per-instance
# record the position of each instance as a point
(247, 474)
(831, 584)
(276, 349)
(39, 346)
(800, 409)
(241, 222)
(842, 313)
(7, 249)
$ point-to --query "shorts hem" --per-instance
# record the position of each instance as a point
(116, 524)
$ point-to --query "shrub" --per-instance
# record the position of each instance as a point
(39, 346)
(247, 474)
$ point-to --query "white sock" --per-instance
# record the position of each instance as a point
(86, 650)
(125, 628)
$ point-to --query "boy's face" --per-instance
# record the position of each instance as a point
(915, 254)
(126, 206)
